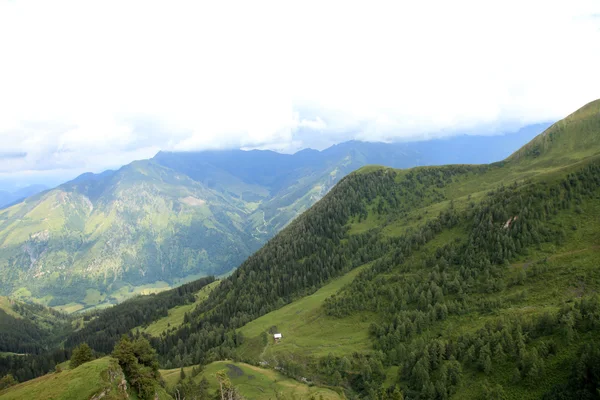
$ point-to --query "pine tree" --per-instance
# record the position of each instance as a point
(139, 363)
(81, 354)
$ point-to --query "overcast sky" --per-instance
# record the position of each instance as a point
(88, 85)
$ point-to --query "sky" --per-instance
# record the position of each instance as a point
(91, 85)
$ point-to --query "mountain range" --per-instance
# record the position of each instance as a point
(156, 223)
(433, 282)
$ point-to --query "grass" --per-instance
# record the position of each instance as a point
(255, 382)
(306, 329)
(93, 297)
(81, 383)
(129, 291)
(70, 308)
(176, 314)
(84, 382)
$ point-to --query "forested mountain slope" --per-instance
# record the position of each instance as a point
(30, 328)
(475, 281)
(154, 224)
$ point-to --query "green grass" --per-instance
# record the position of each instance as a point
(84, 382)
(81, 383)
(254, 382)
(93, 297)
(70, 308)
(176, 314)
(306, 329)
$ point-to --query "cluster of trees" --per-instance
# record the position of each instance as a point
(139, 363)
(189, 388)
(81, 354)
(584, 381)
(20, 335)
(26, 367)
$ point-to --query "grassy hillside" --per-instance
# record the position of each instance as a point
(96, 379)
(306, 330)
(81, 383)
(175, 317)
(461, 281)
(254, 382)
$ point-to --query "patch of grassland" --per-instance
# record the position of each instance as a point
(70, 308)
(306, 329)
(254, 382)
(129, 291)
(81, 383)
(93, 297)
(176, 314)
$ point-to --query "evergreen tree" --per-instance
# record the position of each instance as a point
(140, 365)
(81, 354)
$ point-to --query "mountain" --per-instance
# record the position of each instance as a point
(101, 233)
(153, 224)
(8, 198)
(459, 281)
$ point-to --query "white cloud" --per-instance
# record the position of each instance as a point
(88, 85)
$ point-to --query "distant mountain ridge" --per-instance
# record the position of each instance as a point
(8, 198)
(152, 224)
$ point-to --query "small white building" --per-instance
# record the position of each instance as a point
(277, 336)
